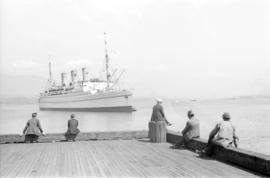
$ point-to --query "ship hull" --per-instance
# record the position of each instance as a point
(100, 109)
(120, 101)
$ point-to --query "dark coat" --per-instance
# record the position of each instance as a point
(33, 127)
(192, 129)
(73, 126)
(158, 113)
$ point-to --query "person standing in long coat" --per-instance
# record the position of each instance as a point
(158, 113)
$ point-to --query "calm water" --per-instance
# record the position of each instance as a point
(250, 116)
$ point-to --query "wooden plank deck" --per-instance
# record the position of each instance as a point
(115, 158)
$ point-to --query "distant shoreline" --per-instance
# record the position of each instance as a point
(34, 100)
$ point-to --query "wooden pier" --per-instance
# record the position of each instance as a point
(109, 158)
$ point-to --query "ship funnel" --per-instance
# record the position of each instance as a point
(84, 74)
(63, 78)
(73, 76)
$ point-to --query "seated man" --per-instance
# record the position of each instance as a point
(223, 134)
(192, 130)
(33, 129)
(73, 130)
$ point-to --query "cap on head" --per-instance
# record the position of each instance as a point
(72, 116)
(159, 100)
(190, 113)
(34, 114)
(226, 116)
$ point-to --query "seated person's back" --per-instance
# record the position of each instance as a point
(72, 128)
(192, 130)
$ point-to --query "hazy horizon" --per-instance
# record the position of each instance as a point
(181, 49)
(25, 92)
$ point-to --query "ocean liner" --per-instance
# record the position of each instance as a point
(93, 94)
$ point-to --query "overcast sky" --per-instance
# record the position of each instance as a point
(168, 48)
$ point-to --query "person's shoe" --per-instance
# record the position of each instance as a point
(201, 153)
(173, 147)
(182, 147)
(198, 151)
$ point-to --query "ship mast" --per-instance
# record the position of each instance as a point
(107, 62)
(50, 71)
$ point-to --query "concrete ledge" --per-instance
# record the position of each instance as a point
(124, 135)
(248, 159)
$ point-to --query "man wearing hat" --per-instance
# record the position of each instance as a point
(158, 113)
(73, 130)
(32, 129)
(192, 130)
(223, 134)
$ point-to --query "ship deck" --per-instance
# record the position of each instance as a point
(109, 158)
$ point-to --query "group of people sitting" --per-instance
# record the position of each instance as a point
(223, 133)
(33, 129)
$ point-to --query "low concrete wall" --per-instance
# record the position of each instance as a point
(248, 159)
(81, 136)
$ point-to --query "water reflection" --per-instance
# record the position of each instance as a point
(56, 121)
